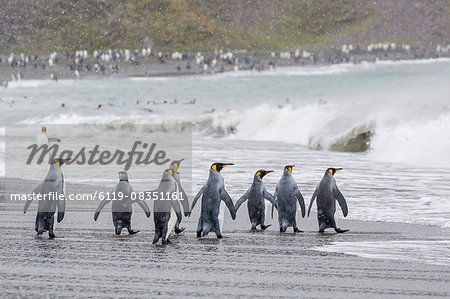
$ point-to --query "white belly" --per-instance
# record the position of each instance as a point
(173, 218)
(41, 139)
(336, 215)
(221, 214)
(268, 209)
(172, 222)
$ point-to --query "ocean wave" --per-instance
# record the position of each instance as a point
(389, 136)
(424, 142)
(434, 252)
(411, 61)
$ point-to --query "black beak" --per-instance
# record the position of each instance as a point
(264, 173)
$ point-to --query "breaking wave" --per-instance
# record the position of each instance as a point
(319, 126)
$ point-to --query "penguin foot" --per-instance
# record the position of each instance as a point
(253, 228)
(199, 234)
(168, 241)
(51, 235)
(132, 232)
(219, 236)
(296, 230)
(340, 231)
(263, 227)
(179, 230)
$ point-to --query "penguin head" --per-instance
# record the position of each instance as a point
(289, 167)
(59, 161)
(261, 173)
(333, 170)
(123, 176)
(176, 163)
(219, 166)
(171, 172)
(44, 129)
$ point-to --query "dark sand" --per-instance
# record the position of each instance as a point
(88, 260)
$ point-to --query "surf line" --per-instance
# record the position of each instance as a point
(105, 157)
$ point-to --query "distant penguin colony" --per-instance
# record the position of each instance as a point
(81, 63)
(170, 201)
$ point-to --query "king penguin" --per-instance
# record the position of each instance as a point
(213, 194)
(256, 196)
(50, 194)
(122, 196)
(166, 208)
(183, 196)
(327, 194)
(286, 195)
(43, 139)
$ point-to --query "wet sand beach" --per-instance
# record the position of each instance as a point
(87, 259)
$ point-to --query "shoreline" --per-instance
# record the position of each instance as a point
(85, 65)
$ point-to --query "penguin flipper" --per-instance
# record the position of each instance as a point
(194, 201)
(184, 198)
(227, 199)
(241, 200)
(61, 202)
(144, 206)
(100, 207)
(29, 201)
(177, 208)
(268, 196)
(61, 209)
(275, 204)
(54, 140)
(312, 199)
(300, 200)
(341, 200)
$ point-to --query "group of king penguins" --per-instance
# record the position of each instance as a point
(168, 212)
